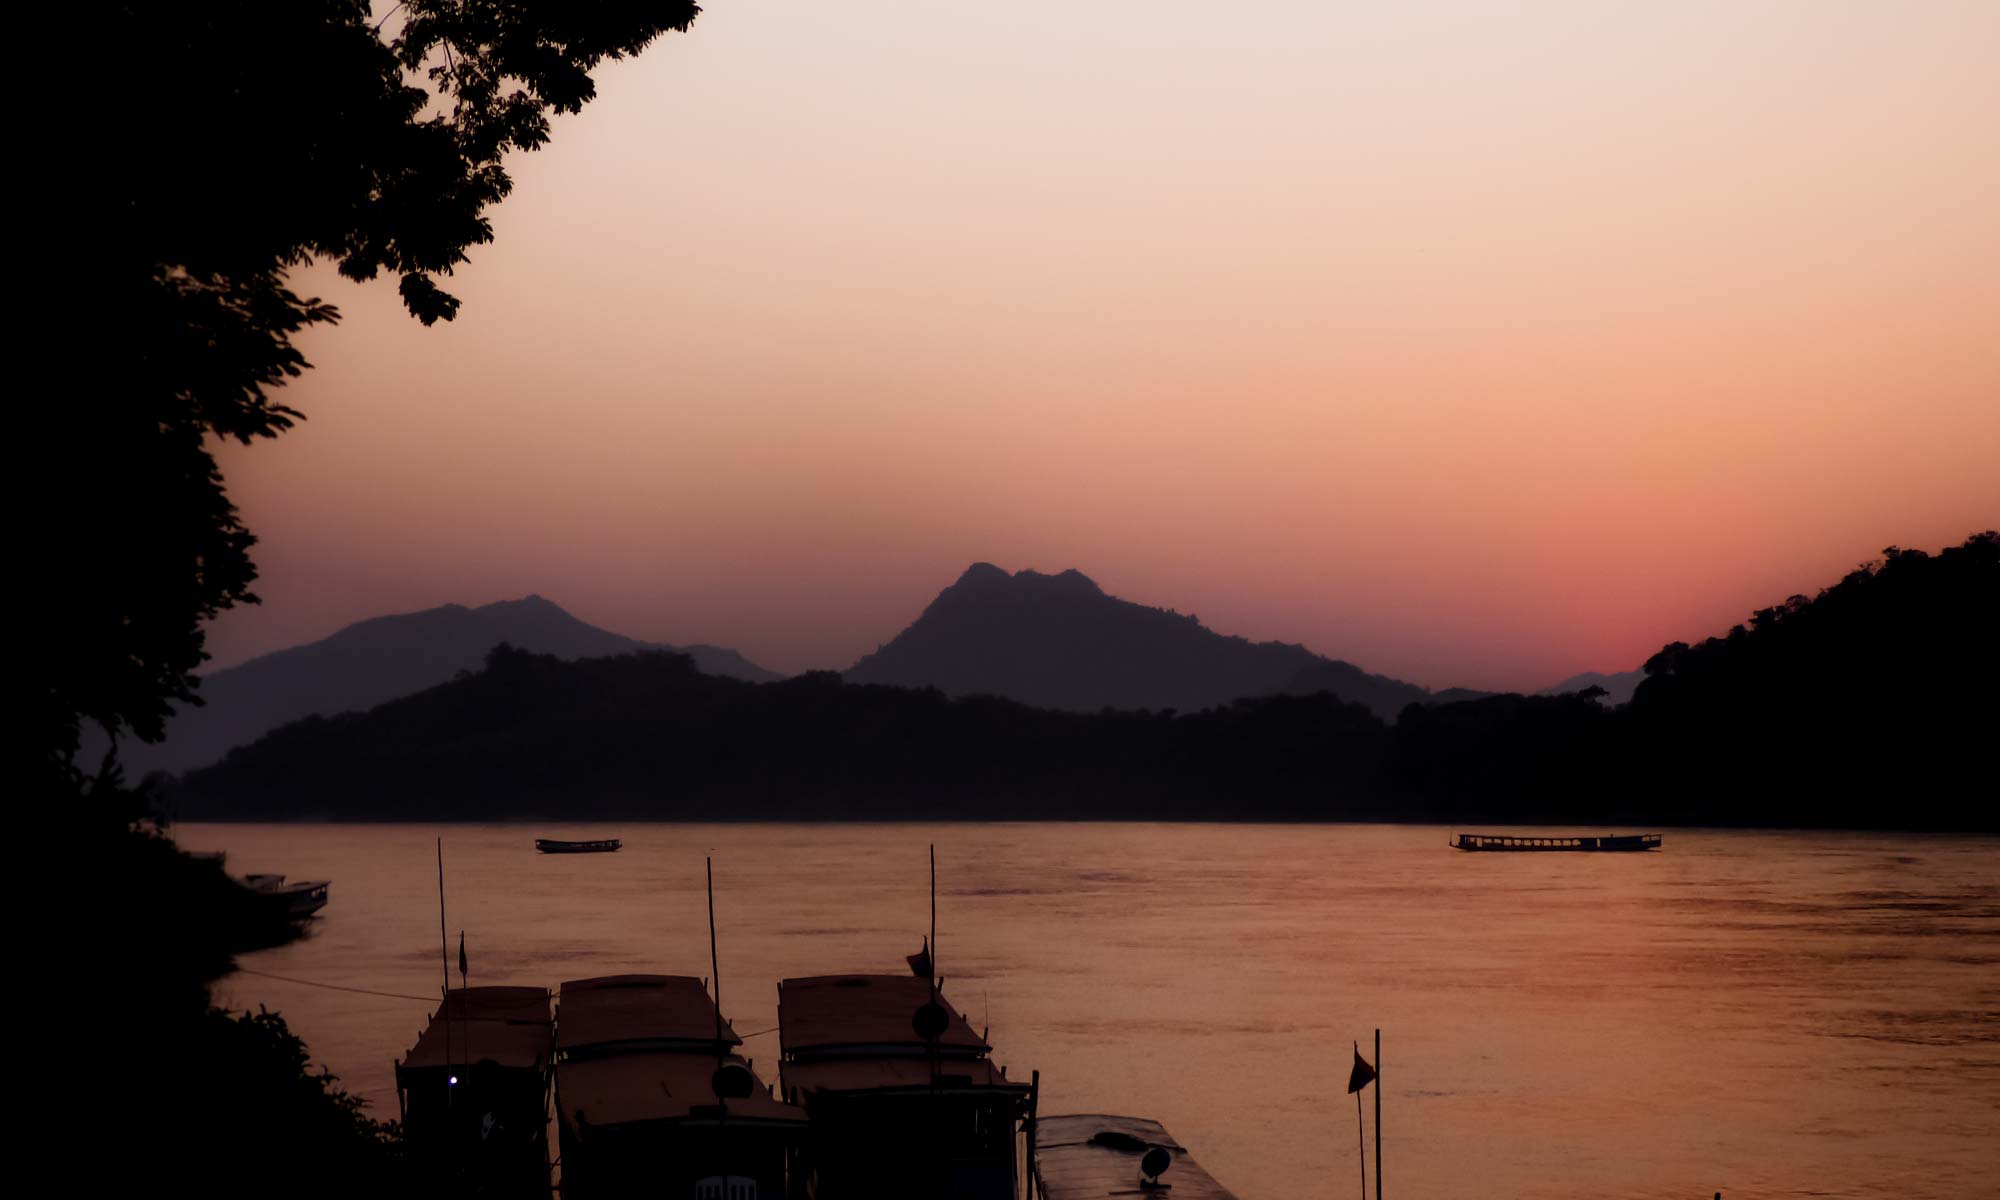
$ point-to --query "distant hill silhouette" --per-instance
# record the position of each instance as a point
(645, 735)
(380, 659)
(1458, 695)
(1870, 706)
(1872, 699)
(1383, 696)
(1058, 641)
(1618, 688)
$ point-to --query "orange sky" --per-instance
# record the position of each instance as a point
(1476, 343)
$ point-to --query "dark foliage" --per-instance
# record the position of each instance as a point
(1861, 708)
(1871, 704)
(235, 142)
(235, 1104)
(647, 734)
(1522, 757)
(218, 148)
(159, 1088)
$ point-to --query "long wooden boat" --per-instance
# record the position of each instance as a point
(558, 846)
(1625, 842)
(903, 1098)
(291, 900)
(474, 1093)
(652, 1098)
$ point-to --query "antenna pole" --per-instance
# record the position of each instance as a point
(444, 962)
(714, 965)
(934, 965)
(1378, 1114)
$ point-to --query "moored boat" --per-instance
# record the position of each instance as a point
(474, 1092)
(652, 1098)
(597, 846)
(1608, 842)
(902, 1095)
(1090, 1156)
(291, 900)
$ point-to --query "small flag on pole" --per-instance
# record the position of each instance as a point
(920, 962)
(1362, 1075)
(461, 958)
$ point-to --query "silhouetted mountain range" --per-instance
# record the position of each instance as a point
(1058, 641)
(1869, 706)
(1618, 688)
(376, 660)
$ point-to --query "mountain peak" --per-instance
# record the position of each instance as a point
(1072, 581)
(984, 576)
(532, 602)
(1060, 641)
(982, 573)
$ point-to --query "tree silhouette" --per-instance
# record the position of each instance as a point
(241, 141)
(227, 145)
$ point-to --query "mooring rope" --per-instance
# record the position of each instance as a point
(335, 987)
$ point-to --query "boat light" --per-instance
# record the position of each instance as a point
(452, 1082)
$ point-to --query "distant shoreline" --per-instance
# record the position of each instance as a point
(1469, 826)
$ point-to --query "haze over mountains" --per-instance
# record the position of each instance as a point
(373, 661)
(1058, 641)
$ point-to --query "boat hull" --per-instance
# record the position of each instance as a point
(290, 900)
(554, 846)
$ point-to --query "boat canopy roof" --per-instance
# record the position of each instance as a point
(899, 1073)
(1093, 1155)
(657, 1085)
(865, 1015)
(659, 1011)
(508, 1026)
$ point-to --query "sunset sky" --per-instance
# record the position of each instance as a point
(1475, 343)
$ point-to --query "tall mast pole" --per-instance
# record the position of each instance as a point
(714, 967)
(934, 948)
(444, 964)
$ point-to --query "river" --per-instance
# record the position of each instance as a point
(1754, 1013)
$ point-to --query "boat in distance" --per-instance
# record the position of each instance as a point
(293, 901)
(558, 846)
(1587, 842)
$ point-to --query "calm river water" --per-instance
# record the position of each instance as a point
(1760, 1014)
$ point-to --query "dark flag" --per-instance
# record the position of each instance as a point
(920, 962)
(1362, 1075)
(461, 958)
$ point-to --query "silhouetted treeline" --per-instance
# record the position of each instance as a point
(1870, 706)
(648, 735)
